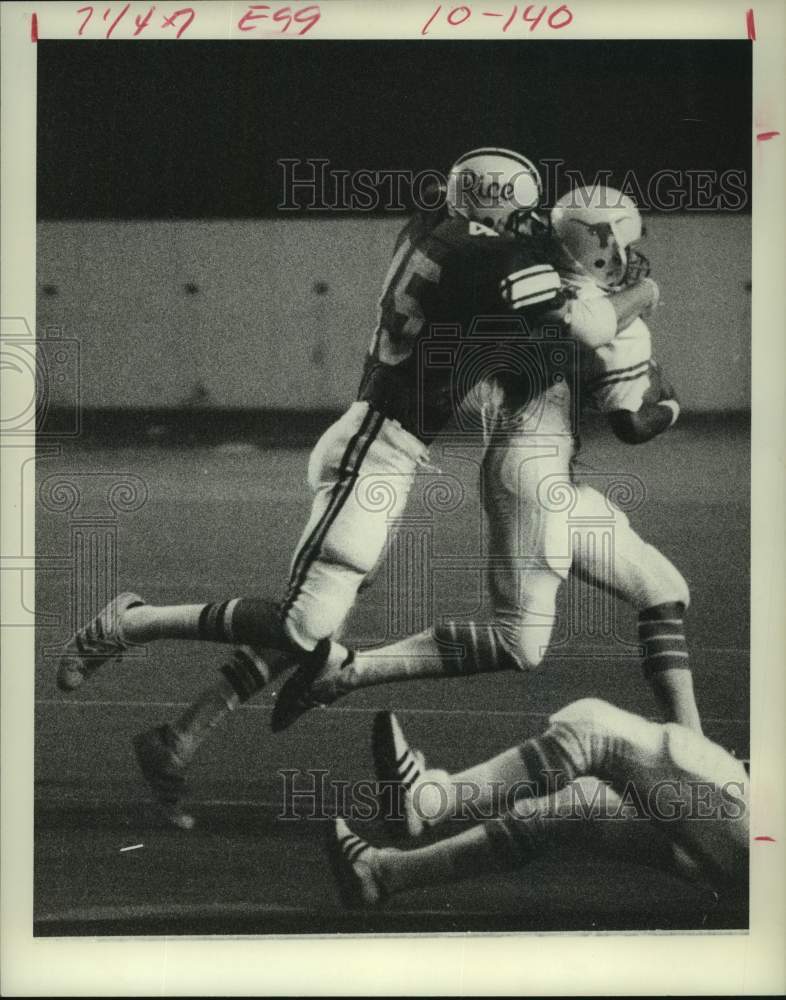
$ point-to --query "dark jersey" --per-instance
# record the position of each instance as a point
(448, 276)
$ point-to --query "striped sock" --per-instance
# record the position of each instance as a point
(450, 650)
(243, 675)
(547, 764)
(251, 621)
(472, 649)
(202, 716)
(214, 623)
(662, 634)
(246, 672)
(667, 664)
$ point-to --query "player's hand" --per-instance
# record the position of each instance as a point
(660, 387)
(638, 299)
(661, 392)
(652, 287)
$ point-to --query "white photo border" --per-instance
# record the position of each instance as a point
(695, 963)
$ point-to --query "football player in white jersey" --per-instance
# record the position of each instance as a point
(597, 230)
(532, 544)
(598, 778)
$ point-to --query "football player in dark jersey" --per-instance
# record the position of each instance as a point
(450, 268)
(474, 258)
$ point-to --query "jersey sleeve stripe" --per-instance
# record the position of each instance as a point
(522, 290)
(536, 269)
(597, 387)
(531, 300)
(612, 372)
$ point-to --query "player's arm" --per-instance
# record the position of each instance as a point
(535, 289)
(596, 321)
(534, 292)
(658, 412)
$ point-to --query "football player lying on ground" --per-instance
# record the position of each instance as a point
(472, 257)
(598, 778)
(535, 543)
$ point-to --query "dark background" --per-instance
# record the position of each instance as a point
(173, 130)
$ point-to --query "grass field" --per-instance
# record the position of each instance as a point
(222, 521)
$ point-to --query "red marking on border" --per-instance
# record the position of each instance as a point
(427, 25)
(764, 136)
(750, 24)
(770, 840)
(34, 28)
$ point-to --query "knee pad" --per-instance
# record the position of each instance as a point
(580, 733)
(598, 738)
(319, 607)
(663, 582)
(572, 746)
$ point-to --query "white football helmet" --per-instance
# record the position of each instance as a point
(495, 187)
(596, 227)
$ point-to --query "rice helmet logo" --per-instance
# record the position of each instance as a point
(494, 187)
(483, 190)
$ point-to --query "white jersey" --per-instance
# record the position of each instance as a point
(616, 375)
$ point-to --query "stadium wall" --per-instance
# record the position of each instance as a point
(277, 313)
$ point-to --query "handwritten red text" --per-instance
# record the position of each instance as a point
(282, 17)
(112, 18)
(132, 20)
(530, 15)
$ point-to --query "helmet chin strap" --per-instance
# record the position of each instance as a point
(527, 222)
(638, 266)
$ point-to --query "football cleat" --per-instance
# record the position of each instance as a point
(159, 755)
(94, 644)
(310, 686)
(398, 766)
(357, 884)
